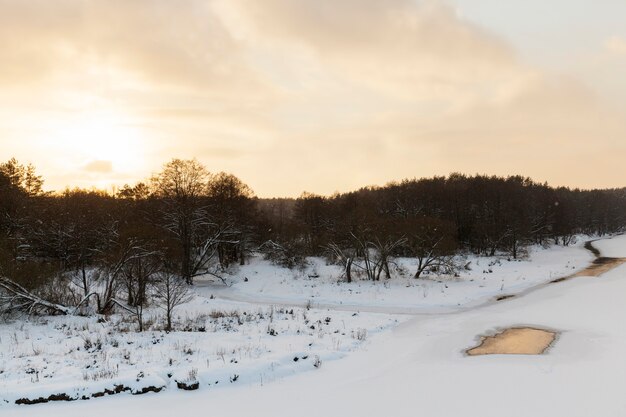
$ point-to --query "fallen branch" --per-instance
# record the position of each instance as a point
(14, 297)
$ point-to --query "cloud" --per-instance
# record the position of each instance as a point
(398, 48)
(615, 45)
(99, 167)
(119, 46)
(299, 94)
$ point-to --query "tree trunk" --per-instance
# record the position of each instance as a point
(422, 264)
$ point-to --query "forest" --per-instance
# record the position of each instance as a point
(88, 251)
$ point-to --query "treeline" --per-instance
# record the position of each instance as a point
(90, 248)
(93, 250)
(431, 219)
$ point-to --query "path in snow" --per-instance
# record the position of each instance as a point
(600, 265)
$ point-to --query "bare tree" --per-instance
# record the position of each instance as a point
(342, 256)
(431, 242)
(182, 184)
(138, 274)
(291, 254)
(375, 253)
(384, 251)
(366, 261)
(232, 206)
(429, 256)
(170, 291)
(114, 263)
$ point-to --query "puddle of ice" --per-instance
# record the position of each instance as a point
(515, 341)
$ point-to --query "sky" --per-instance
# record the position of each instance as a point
(315, 95)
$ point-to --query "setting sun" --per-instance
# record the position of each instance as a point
(101, 137)
(104, 146)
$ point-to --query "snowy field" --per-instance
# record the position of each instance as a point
(479, 280)
(218, 343)
(410, 364)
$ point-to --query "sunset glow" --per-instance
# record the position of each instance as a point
(332, 96)
(312, 208)
(94, 137)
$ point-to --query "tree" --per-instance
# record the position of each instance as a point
(80, 226)
(13, 197)
(181, 185)
(311, 211)
(389, 237)
(22, 177)
(431, 242)
(32, 183)
(232, 208)
(343, 256)
(365, 255)
(375, 252)
(291, 254)
(10, 197)
(14, 171)
(139, 191)
(14, 298)
(170, 291)
(138, 274)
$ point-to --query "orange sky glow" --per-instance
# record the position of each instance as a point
(294, 95)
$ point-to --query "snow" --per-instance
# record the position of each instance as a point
(486, 278)
(228, 343)
(419, 367)
(609, 248)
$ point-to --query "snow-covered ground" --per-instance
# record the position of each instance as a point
(610, 248)
(480, 279)
(218, 343)
(419, 367)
